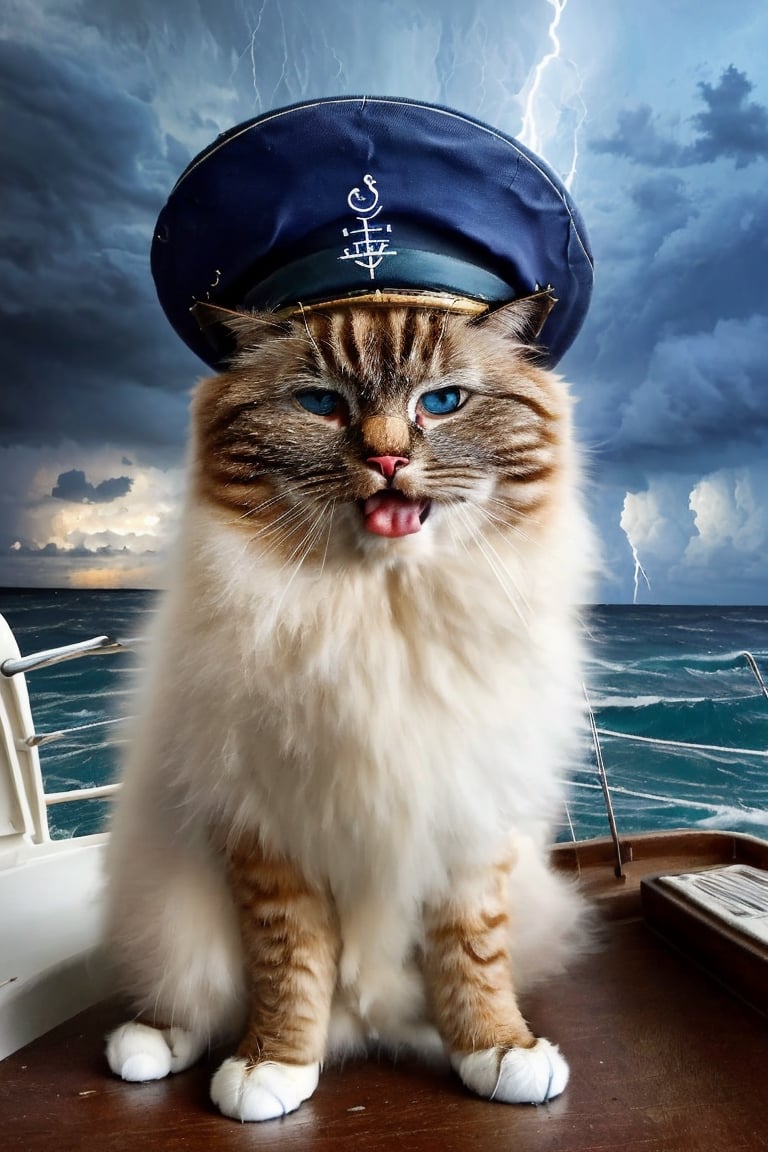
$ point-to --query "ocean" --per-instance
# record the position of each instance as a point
(667, 675)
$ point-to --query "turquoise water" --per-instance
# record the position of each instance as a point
(665, 673)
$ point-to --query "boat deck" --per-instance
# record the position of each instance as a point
(662, 1059)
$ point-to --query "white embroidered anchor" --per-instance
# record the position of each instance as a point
(369, 251)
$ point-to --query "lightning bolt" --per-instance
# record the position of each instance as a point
(250, 48)
(639, 571)
(570, 176)
(529, 133)
(284, 66)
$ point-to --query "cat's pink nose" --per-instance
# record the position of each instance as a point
(387, 465)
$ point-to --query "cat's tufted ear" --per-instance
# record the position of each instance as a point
(229, 331)
(521, 320)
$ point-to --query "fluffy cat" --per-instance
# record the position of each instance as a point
(363, 698)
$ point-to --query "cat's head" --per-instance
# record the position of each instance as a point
(391, 431)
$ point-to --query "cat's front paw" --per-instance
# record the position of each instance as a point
(265, 1091)
(139, 1052)
(514, 1075)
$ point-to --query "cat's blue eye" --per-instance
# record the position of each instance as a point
(320, 401)
(442, 401)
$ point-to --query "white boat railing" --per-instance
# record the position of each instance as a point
(752, 665)
(99, 644)
(24, 802)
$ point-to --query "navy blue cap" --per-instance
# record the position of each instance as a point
(351, 197)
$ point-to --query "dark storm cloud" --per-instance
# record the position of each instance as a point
(702, 390)
(676, 341)
(663, 199)
(83, 174)
(675, 346)
(74, 487)
(730, 126)
(638, 137)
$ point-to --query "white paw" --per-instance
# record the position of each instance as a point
(140, 1052)
(515, 1075)
(262, 1091)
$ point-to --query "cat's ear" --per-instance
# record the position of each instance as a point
(521, 320)
(229, 331)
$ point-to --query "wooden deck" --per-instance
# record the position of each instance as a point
(662, 1059)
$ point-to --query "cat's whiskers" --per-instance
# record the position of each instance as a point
(509, 506)
(303, 485)
(260, 507)
(440, 337)
(312, 340)
(303, 548)
(497, 566)
(499, 523)
(273, 536)
(265, 505)
(275, 539)
(300, 550)
(306, 483)
(456, 537)
(328, 537)
(296, 511)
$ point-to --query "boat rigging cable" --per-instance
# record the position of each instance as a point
(618, 867)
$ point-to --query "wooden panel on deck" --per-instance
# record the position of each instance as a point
(661, 1059)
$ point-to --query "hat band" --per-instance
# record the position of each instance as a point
(392, 298)
(323, 276)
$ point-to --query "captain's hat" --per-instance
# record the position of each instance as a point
(368, 200)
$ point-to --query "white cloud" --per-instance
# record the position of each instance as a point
(58, 542)
(700, 539)
(728, 514)
(657, 521)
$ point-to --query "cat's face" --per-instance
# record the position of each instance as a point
(390, 431)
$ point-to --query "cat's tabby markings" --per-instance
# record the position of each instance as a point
(365, 693)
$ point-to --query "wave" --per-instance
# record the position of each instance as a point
(608, 665)
(689, 628)
(607, 702)
(729, 816)
(701, 661)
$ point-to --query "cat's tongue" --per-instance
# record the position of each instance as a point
(389, 513)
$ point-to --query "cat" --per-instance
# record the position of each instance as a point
(363, 699)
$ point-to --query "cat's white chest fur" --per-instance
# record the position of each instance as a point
(375, 721)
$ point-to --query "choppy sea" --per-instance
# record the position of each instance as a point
(658, 679)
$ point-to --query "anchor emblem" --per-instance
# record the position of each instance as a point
(372, 246)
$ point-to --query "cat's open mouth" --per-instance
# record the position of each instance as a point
(390, 513)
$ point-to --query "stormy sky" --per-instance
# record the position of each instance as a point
(655, 112)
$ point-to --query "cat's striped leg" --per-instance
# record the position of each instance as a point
(291, 944)
(470, 980)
